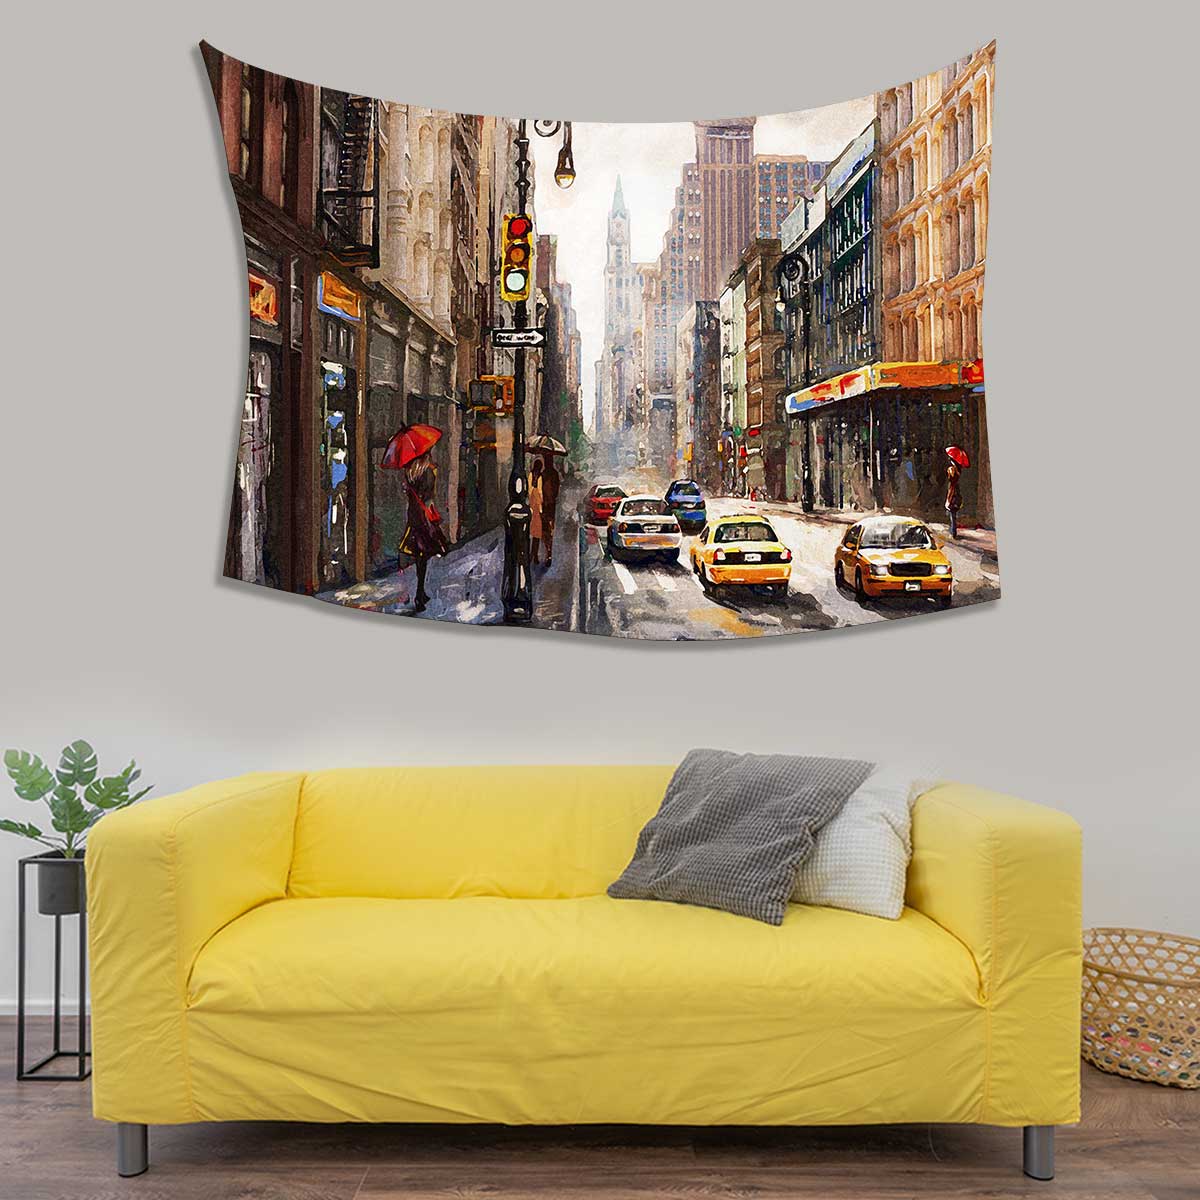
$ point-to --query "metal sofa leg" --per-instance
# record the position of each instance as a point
(133, 1148)
(1039, 1151)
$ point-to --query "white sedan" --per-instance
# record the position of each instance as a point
(644, 527)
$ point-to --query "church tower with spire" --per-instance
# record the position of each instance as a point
(622, 313)
(617, 298)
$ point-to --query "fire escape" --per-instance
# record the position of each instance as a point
(348, 202)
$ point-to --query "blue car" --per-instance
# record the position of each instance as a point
(687, 504)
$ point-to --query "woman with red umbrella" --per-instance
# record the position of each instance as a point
(958, 460)
(423, 535)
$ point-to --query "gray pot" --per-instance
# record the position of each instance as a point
(62, 889)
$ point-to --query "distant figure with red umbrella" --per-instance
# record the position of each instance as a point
(959, 460)
(424, 535)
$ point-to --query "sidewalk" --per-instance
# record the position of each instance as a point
(974, 540)
(464, 585)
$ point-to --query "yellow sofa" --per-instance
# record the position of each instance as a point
(436, 944)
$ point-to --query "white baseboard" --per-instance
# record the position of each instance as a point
(38, 1006)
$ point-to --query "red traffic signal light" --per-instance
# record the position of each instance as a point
(516, 265)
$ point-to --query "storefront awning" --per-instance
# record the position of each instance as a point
(889, 376)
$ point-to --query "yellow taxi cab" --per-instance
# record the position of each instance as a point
(741, 548)
(890, 556)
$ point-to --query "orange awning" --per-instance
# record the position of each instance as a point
(880, 376)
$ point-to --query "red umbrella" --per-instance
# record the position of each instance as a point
(958, 455)
(410, 442)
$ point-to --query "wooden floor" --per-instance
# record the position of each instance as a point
(1136, 1141)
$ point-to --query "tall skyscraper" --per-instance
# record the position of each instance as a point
(725, 165)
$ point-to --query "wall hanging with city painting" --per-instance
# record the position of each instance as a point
(685, 381)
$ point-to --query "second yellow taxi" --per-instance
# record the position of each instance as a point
(890, 555)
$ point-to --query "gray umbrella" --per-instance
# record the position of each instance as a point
(545, 444)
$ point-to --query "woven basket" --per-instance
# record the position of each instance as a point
(1141, 1005)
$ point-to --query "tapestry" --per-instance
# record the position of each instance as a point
(680, 381)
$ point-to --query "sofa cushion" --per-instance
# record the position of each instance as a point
(541, 832)
(583, 1010)
(860, 859)
(733, 829)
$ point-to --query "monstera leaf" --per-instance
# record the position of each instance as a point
(96, 814)
(20, 828)
(66, 809)
(113, 790)
(31, 777)
(77, 766)
(70, 816)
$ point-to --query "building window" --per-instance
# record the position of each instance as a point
(949, 246)
(951, 334)
(250, 132)
(888, 116)
(950, 146)
(891, 270)
(920, 167)
(908, 266)
(968, 330)
(289, 189)
(966, 234)
(890, 193)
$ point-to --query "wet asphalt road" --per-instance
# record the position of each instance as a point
(657, 600)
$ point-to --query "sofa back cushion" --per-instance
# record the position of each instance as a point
(540, 832)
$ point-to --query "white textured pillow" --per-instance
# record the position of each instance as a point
(860, 860)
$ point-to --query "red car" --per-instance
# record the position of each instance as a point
(601, 502)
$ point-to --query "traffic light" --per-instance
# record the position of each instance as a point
(516, 264)
(503, 394)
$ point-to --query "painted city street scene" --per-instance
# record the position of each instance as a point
(681, 381)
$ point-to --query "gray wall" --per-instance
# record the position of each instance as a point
(124, 335)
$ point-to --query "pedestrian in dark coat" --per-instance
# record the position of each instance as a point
(953, 496)
(424, 535)
(551, 482)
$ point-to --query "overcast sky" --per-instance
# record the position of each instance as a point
(648, 158)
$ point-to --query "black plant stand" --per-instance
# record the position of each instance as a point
(37, 1071)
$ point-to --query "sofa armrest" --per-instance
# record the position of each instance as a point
(163, 876)
(1003, 876)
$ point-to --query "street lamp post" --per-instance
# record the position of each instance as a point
(794, 279)
(516, 589)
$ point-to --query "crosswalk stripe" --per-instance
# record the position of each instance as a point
(625, 575)
(664, 581)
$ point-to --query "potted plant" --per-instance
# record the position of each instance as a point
(60, 872)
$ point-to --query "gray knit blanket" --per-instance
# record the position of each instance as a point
(733, 829)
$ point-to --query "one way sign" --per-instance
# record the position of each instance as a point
(509, 338)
